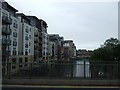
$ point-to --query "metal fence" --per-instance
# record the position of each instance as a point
(63, 69)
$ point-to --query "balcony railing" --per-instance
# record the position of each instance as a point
(6, 20)
(6, 41)
(6, 30)
(36, 46)
(36, 40)
(36, 33)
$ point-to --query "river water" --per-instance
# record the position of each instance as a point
(77, 69)
(82, 69)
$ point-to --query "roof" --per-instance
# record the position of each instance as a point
(22, 15)
(9, 6)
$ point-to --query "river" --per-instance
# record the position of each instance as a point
(77, 69)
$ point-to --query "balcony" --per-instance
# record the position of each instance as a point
(36, 40)
(6, 30)
(36, 33)
(6, 20)
(5, 53)
(40, 35)
(6, 41)
(36, 53)
(36, 46)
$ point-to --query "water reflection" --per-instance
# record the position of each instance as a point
(75, 69)
(82, 69)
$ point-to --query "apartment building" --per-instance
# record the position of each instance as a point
(69, 49)
(36, 37)
(44, 26)
(54, 46)
(26, 42)
(10, 30)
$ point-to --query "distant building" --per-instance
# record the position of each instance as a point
(83, 54)
(69, 49)
(55, 44)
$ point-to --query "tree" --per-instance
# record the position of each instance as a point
(109, 56)
(111, 42)
(110, 51)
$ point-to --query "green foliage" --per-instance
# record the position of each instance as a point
(110, 51)
(109, 57)
(111, 42)
(102, 54)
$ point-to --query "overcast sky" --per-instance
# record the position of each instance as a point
(88, 24)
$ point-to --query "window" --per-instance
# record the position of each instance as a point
(26, 45)
(26, 52)
(26, 59)
(26, 37)
(20, 66)
(30, 29)
(15, 25)
(14, 51)
(14, 60)
(14, 34)
(14, 43)
(13, 67)
(29, 36)
(29, 50)
(29, 44)
(20, 59)
(26, 29)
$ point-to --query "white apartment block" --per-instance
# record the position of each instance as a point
(9, 30)
(25, 44)
(45, 55)
(44, 45)
(37, 38)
